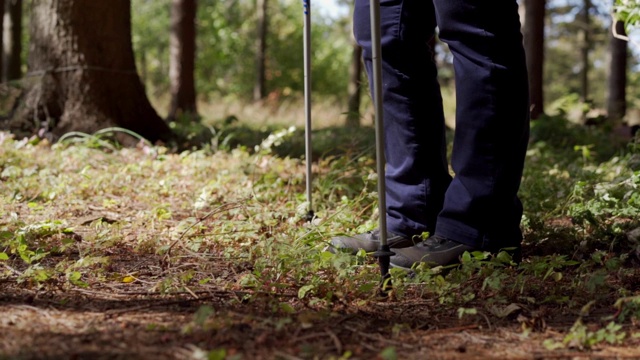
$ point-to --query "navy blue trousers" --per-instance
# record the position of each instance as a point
(479, 205)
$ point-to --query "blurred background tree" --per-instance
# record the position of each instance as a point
(12, 40)
(568, 40)
(228, 45)
(182, 52)
(248, 50)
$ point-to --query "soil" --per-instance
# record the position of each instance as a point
(116, 320)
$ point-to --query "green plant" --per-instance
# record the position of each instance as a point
(224, 226)
(581, 337)
(628, 11)
(628, 308)
(25, 241)
(103, 138)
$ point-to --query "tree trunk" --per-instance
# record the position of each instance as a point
(182, 59)
(355, 87)
(82, 72)
(534, 45)
(12, 40)
(585, 48)
(260, 88)
(616, 102)
(1, 40)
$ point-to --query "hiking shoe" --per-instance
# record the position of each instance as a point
(439, 251)
(369, 242)
(435, 251)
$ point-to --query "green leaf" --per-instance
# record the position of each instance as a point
(389, 353)
(4, 256)
(304, 290)
(74, 276)
(202, 314)
(466, 311)
(504, 257)
(366, 287)
(217, 354)
(287, 308)
(326, 255)
(466, 257)
(551, 344)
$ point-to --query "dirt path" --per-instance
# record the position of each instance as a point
(85, 324)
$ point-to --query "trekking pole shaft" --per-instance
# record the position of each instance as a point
(307, 99)
(384, 253)
(379, 121)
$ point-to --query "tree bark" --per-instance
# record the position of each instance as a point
(260, 87)
(12, 40)
(616, 102)
(1, 40)
(585, 49)
(355, 87)
(534, 45)
(82, 74)
(182, 59)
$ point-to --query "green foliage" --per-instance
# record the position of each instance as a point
(389, 353)
(582, 175)
(563, 51)
(580, 336)
(103, 138)
(226, 46)
(23, 242)
(32, 244)
(329, 144)
(228, 218)
(566, 140)
(150, 37)
(629, 12)
(628, 308)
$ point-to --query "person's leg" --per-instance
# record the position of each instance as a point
(415, 148)
(481, 207)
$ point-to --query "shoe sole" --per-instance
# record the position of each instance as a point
(410, 270)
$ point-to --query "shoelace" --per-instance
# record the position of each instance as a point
(433, 242)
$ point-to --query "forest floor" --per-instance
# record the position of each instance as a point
(126, 321)
(139, 254)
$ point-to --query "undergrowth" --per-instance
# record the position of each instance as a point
(229, 216)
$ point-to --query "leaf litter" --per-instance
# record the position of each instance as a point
(144, 253)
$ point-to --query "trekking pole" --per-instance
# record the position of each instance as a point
(384, 252)
(307, 103)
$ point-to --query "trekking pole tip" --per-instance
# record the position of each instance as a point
(309, 216)
(384, 254)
